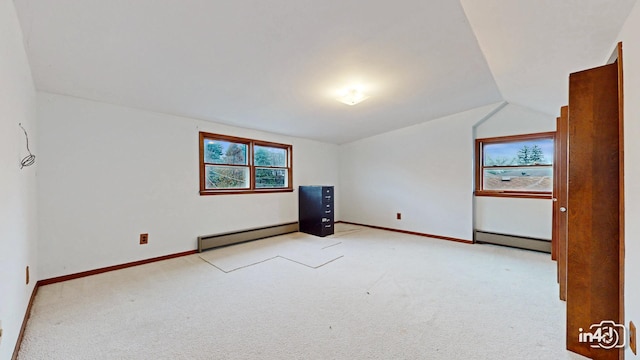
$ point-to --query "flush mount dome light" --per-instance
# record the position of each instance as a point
(352, 97)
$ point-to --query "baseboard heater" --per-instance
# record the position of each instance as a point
(212, 241)
(513, 241)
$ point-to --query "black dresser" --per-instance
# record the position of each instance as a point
(315, 210)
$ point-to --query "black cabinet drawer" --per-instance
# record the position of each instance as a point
(326, 220)
(327, 229)
(320, 229)
(327, 195)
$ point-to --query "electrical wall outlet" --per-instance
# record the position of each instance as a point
(632, 338)
(399, 216)
(144, 239)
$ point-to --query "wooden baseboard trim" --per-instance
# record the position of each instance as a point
(27, 314)
(410, 232)
(112, 268)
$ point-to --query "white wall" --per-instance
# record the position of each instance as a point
(424, 172)
(630, 37)
(109, 173)
(18, 225)
(523, 217)
(514, 216)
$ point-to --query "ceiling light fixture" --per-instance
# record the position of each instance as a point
(352, 96)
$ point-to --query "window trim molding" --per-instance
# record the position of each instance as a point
(202, 135)
(479, 166)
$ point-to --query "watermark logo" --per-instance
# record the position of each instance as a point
(605, 335)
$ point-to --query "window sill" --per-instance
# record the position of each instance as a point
(240, 192)
(512, 194)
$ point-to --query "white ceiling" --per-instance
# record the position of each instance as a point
(533, 46)
(276, 65)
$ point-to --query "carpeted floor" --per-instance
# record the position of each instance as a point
(303, 249)
(384, 295)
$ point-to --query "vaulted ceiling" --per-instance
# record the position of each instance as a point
(277, 65)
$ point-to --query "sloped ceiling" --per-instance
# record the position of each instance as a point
(533, 46)
(277, 65)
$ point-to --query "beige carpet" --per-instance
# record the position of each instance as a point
(390, 296)
(300, 248)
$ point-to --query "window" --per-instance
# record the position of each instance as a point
(516, 166)
(233, 165)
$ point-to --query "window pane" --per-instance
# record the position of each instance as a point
(270, 156)
(226, 177)
(224, 152)
(271, 178)
(519, 179)
(528, 152)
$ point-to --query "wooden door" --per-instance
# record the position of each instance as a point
(593, 211)
(560, 198)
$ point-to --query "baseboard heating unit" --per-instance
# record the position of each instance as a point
(521, 242)
(212, 241)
